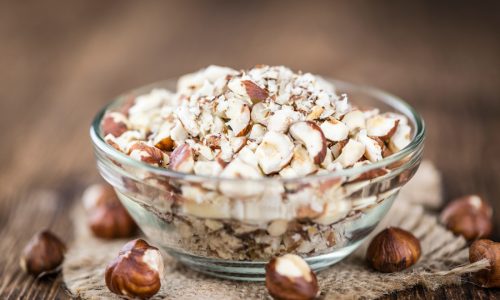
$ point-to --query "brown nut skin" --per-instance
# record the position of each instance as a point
(43, 254)
(113, 127)
(489, 278)
(469, 216)
(283, 286)
(150, 155)
(393, 250)
(136, 272)
(256, 93)
(167, 144)
(107, 218)
(111, 221)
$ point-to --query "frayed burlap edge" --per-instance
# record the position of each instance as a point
(444, 258)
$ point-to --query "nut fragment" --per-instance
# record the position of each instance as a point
(260, 113)
(114, 123)
(282, 119)
(255, 92)
(163, 138)
(334, 130)
(213, 141)
(309, 134)
(469, 216)
(337, 148)
(275, 151)
(277, 227)
(188, 120)
(178, 132)
(207, 168)
(351, 153)
(181, 159)
(334, 211)
(239, 117)
(289, 277)
(257, 133)
(401, 138)
(43, 254)
(301, 162)
(315, 113)
(148, 154)
(373, 150)
(381, 126)
(107, 218)
(166, 144)
(237, 143)
(354, 120)
(248, 157)
(393, 250)
(193, 81)
(136, 272)
(239, 169)
(205, 205)
(486, 249)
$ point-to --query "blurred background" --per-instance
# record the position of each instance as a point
(61, 61)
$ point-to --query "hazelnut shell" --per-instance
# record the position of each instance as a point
(43, 254)
(469, 216)
(111, 221)
(108, 219)
(393, 250)
(490, 250)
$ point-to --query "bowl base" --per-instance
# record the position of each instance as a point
(253, 270)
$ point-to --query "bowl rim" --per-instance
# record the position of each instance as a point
(389, 99)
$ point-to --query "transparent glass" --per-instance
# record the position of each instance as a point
(230, 228)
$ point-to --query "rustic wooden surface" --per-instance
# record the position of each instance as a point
(61, 61)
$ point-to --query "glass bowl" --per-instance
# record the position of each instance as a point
(230, 228)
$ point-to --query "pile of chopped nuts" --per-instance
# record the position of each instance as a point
(265, 121)
(261, 123)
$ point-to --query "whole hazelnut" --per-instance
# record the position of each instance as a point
(136, 272)
(490, 250)
(107, 218)
(469, 216)
(43, 254)
(393, 250)
(289, 278)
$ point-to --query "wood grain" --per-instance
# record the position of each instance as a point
(60, 61)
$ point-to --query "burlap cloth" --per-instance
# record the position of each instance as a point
(444, 258)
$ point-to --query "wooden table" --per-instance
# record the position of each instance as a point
(61, 61)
